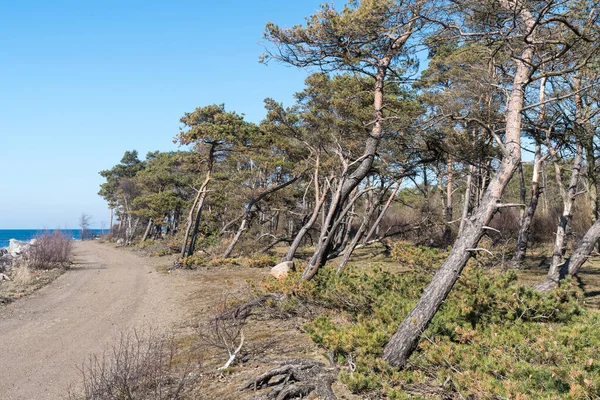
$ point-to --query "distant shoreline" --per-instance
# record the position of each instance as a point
(28, 234)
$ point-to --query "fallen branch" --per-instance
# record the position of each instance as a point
(233, 353)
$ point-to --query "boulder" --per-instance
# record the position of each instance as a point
(16, 247)
(281, 270)
(120, 242)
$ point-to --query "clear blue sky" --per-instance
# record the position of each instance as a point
(83, 81)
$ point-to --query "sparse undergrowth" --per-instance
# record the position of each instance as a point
(50, 250)
(139, 366)
(493, 338)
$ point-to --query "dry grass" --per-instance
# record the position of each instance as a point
(22, 275)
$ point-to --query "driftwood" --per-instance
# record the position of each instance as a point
(304, 378)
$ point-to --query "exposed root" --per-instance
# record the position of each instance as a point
(298, 378)
(244, 310)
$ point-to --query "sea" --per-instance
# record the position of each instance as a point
(28, 234)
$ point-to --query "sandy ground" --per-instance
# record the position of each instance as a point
(45, 337)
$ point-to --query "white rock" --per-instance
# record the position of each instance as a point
(281, 270)
(16, 247)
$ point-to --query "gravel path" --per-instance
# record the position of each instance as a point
(46, 336)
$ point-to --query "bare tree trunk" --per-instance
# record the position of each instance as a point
(590, 160)
(538, 164)
(568, 195)
(377, 222)
(522, 192)
(130, 232)
(467, 200)
(447, 236)
(584, 249)
(198, 204)
(237, 236)
(527, 217)
(561, 230)
(365, 222)
(194, 232)
(188, 228)
(405, 340)
(579, 256)
(334, 218)
(349, 183)
(110, 231)
(300, 236)
(249, 209)
(147, 230)
(319, 200)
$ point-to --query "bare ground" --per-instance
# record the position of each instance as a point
(45, 337)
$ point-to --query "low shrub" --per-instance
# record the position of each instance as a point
(492, 337)
(50, 249)
(139, 366)
(262, 261)
(196, 260)
(410, 256)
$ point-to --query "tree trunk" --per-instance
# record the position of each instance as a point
(319, 201)
(237, 236)
(579, 256)
(377, 222)
(590, 160)
(335, 217)
(527, 217)
(467, 201)
(130, 232)
(584, 249)
(447, 236)
(568, 195)
(405, 340)
(249, 209)
(560, 242)
(188, 228)
(529, 212)
(351, 182)
(147, 230)
(365, 223)
(110, 231)
(194, 233)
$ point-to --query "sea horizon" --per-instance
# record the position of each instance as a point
(28, 234)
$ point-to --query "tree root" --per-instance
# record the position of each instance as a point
(298, 378)
(244, 310)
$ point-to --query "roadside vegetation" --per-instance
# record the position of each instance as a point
(438, 216)
(35, 265)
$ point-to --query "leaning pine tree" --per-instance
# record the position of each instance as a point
(523, 27)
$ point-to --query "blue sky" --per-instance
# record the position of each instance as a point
(83, 81)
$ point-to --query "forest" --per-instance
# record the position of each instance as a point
(456, 140)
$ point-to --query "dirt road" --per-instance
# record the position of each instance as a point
(46, 336)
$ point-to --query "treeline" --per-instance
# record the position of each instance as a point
(496, 135)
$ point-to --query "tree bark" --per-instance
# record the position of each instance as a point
(319, 201)
(568, 195)
(579, 256)
(447, 236)
(147, 230)
(538, 164)
(405, 340)
(527, 217)
(377, 222)
(467, 201)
